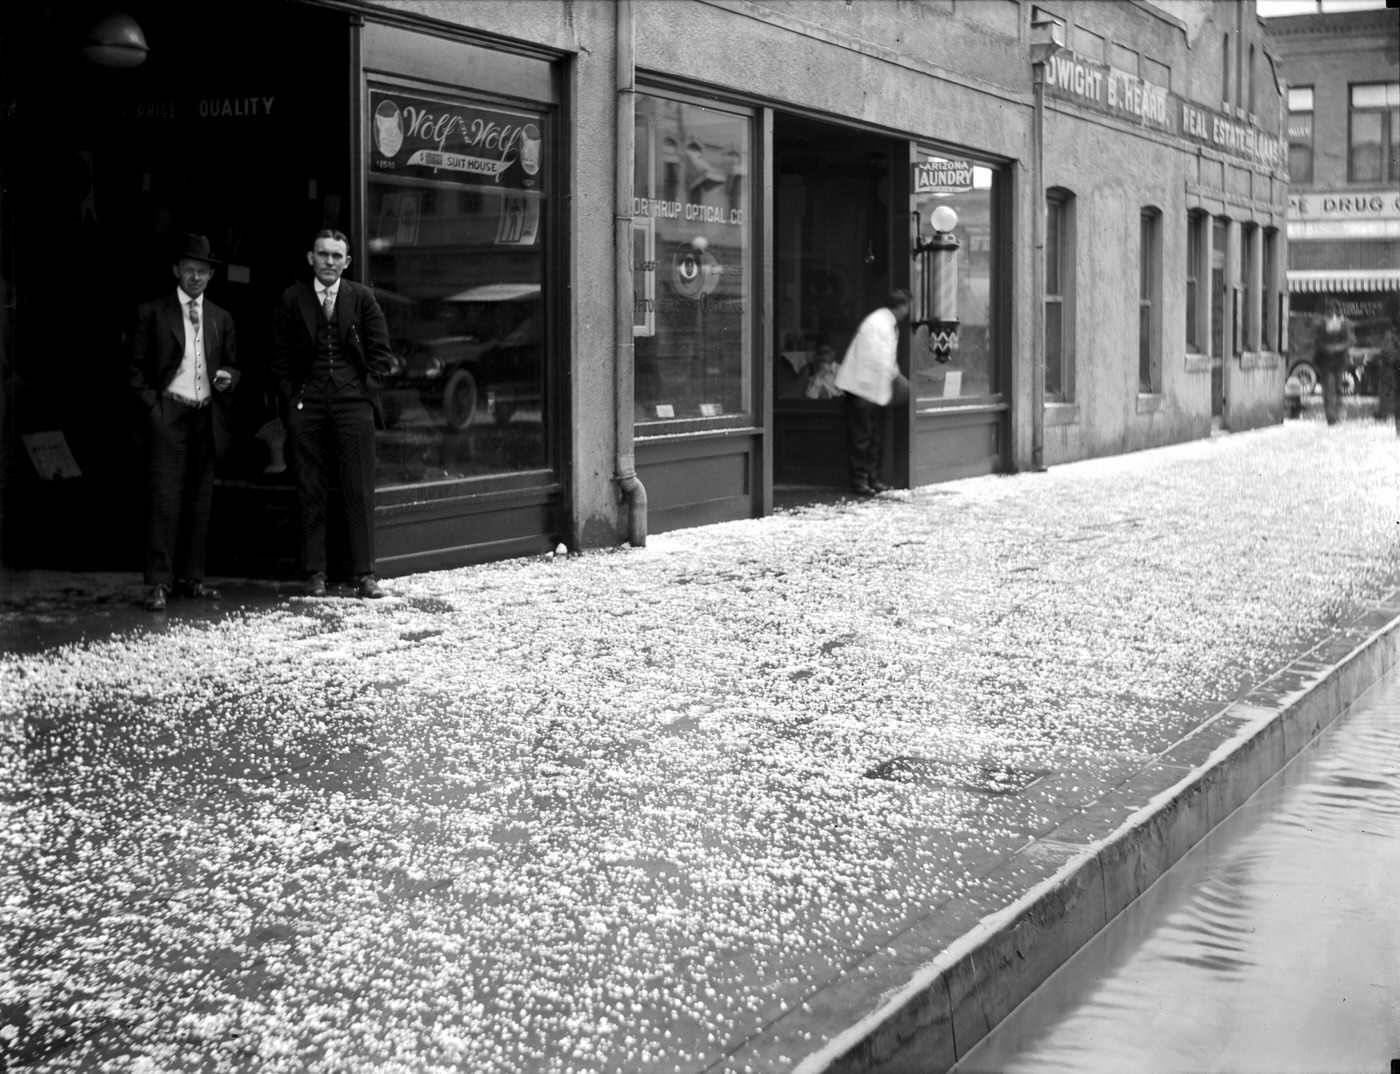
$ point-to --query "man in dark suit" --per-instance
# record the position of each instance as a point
(183, 365)
(330, 346)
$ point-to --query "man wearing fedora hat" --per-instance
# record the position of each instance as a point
(184, 363)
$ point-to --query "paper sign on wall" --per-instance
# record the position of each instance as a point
(952, 384)
(50, 455)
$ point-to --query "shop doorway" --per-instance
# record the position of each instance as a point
(834, 250)
(227, 130)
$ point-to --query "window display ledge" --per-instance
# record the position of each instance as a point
(1061, 414)
(932, 407)
(1198, 363)
(1258, 360)
(644, 435)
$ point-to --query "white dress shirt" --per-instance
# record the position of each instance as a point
(192, 379)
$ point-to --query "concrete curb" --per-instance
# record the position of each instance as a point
(953, 1001)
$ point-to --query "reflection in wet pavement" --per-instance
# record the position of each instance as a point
(1274, 945)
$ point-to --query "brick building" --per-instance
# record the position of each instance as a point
(1344, 177)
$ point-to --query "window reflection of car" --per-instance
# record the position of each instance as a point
(495, 356)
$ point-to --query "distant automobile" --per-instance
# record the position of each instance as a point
(498, 353)
(1358, 378)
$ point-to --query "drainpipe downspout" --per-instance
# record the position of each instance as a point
(634, 495)
(1038, 273)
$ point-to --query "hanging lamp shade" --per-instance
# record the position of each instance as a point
(115, 41)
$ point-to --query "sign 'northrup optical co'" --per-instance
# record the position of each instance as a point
(1125, 96)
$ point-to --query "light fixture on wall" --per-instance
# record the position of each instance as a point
(937, 300)
(115, 41)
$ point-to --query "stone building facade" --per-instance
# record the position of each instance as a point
(618, 242)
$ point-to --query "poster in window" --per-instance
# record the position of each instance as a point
(519, 220)
(458, 142)
(406, 231)
(643, 277)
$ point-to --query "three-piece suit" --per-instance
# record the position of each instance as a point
(328, 371)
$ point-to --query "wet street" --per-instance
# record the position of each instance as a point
(1274, 945)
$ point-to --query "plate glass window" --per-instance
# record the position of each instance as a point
(976, 232)
(457, 216)
(692, 252)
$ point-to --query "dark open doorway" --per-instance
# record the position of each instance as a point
(236, 127)
(833, 232)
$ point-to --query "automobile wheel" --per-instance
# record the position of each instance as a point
(1307, 378)
(459, 400)
(1346, 382)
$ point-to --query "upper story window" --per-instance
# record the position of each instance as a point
(1300, 134)
(1253, 109)
(1373, 133)
(1225, 69)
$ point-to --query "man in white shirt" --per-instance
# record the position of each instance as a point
(868, 375)
(183, 364)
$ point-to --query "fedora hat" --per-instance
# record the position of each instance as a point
(196, 247)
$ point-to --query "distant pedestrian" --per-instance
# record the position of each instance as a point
(1388, 358)
(183, 365)
(870, 377)
(1331, 353)
(330, 346)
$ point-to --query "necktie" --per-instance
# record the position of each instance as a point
(328, 306)
(194, 314)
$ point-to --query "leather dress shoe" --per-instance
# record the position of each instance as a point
(316, 585)
(860, 488)
(196, 590)
(878, 487)
(155, 599)
(368, 588)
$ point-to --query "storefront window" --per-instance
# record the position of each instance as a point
(692, 245)
(972, 371)
(456, 216)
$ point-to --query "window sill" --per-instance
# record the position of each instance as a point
(1149, 402)
(1199, 363)
(1259, 360)
(1061, 414)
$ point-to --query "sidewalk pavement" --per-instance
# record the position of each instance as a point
(831, 790)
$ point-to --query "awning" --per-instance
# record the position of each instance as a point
(1300, 280)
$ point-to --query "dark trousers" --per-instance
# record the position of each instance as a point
(179, 490)
(1330, 374)
(333, 432)
(865, 438)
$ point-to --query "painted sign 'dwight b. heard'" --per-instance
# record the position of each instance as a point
(1125, 96)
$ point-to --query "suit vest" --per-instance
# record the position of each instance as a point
(329, 369)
